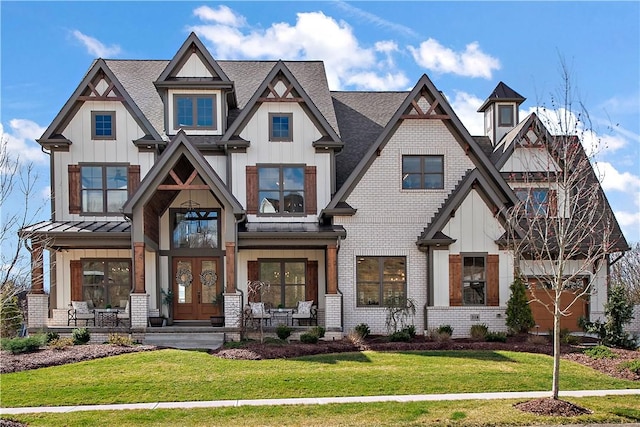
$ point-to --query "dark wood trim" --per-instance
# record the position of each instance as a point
(75, 267)
(75, 206)
(493, 280)
(455, 280)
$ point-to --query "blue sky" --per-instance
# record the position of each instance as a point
(465, 48)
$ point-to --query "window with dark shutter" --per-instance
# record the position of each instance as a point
(455, 280)
(75, 206)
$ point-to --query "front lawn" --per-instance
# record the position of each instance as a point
(174, 375)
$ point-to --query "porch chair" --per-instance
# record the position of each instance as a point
(80, 311)
(123, 316)
(256, 311)
(305, 311)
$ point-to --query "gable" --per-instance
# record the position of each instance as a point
(530, 159)
(194, 66)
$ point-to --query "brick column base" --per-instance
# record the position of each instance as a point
(232, 315)
(139, 311)
(333, 311)
(38, 309)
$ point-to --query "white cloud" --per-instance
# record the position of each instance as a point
(614, 180)
(95, 47)
(222, 15)
(20, 139)
(373, 81)
(471, 62)
(630, 224)
(466, 106)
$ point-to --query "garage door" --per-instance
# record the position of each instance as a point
(544, 319)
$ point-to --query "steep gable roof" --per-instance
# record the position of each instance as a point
(87, 91)
(280, 69)
(192, 45)
(439, 109)
(473, 180)
(502, 93)
(180, 145)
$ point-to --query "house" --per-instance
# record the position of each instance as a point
(199, 175)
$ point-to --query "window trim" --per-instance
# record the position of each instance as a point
(194, 110)
(172, 219)
(105, 286)
(484, 256)
(288, 138)
(282, 262)
(281, 190)
(94, 115)
(104, 189)
(381, 282)
(501, 122)
(529, 207)
(422, 158)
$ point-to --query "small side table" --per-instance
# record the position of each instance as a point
(107, 317)
(280, 316)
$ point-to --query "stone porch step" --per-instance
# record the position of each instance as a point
(185, 340)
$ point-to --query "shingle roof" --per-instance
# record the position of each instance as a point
(362, 116)
(502, 92)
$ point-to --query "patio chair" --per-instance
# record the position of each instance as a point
(123, 316)
(256, 311)
(80, 311)
(305, 312)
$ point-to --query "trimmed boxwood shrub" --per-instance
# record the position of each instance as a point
(363, 330)
(496, 337)
(23, 345)
(283, 332)
(309, 338)
(80, 336)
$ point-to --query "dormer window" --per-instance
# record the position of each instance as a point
(195, 112)
(103, 125)
(280, 127)
(505, 115)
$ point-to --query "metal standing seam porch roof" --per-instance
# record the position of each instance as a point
(92, 234)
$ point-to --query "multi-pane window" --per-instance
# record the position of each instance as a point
(106, 282)
(534, 201)
(196, 228)
(281, 189)
(422, 172)
(381, 281)
(280, 127)
(285, 282)
(474, 280)
(103, 124)
(195, 111)
(505, 115)
(104, 188)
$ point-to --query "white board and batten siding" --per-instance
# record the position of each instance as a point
(84, 149)
(193, 67)
(530, 159)
(389, 219)
(300, 151)
(475, 230)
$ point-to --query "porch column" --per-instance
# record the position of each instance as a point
(37, 270)
(230, 257)
(138, 268)
(332, 269)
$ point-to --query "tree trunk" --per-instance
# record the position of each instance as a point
(555, 386)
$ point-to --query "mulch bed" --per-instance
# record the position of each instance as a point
(552, 407)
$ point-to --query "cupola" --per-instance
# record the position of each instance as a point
(500, 112)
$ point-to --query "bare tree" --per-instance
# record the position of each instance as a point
(626, 272)
(17, 188)
(255, 290)
(562, 230)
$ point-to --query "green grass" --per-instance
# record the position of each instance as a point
(615, 409)
(174, 375)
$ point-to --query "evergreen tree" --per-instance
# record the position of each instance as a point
(519, 316)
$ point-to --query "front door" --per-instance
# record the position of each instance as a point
(197, 288)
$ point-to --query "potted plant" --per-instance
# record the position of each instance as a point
(156, 321)
(218, 320)
(167, 299)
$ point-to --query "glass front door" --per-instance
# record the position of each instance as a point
(197, 288)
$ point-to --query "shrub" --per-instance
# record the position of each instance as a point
(60, 343)
(309, 338)
(496, 337)
(519, 318)
(632, 365)
(318, 331)
(618, 312)
(283, 332)
(23, 345)
(478, 331)
(363, 330)
(411, 330)
(10, 316)
(119, 339)
(600, 352)
(80, 336)
(446, 329)
(52, 336)
(400, 336)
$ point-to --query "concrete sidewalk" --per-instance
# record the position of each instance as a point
(319, 401)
